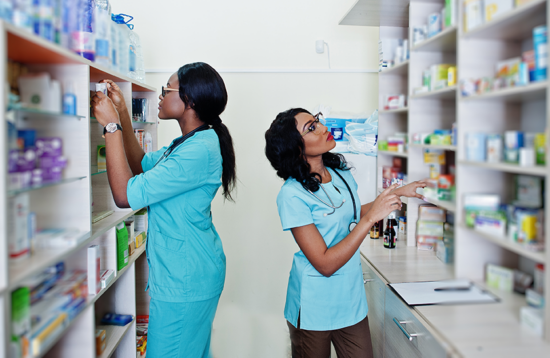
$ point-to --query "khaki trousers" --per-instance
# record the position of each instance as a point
(349, 342)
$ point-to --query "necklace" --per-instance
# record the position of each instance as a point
(333, 207)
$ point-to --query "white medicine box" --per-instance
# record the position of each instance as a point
(495, 8)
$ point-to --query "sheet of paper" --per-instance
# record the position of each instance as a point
(423, 293)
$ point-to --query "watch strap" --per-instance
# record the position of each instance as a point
(118, 127)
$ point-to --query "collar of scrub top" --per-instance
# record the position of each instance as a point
(353, 224)
(180, 141)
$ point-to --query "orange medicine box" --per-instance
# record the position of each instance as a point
(446, 181)
(100, 341)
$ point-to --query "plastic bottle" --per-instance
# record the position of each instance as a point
(140, 64)
(114, 45)
(82, 40)
(133, 55)
(148, 143)
(6, 10)
(44, 19)
(103, 32)
(23, 14)
(69, 99)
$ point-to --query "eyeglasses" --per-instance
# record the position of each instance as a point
(165, 89)
(314, 126)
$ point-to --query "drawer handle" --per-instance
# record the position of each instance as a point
(365, 280)
(400, 324)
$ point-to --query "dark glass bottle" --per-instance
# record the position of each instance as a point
(386, 234)
(375, 231)
(392, 233)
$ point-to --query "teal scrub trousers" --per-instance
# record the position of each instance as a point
(180, 329)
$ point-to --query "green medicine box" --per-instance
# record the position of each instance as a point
(122, 246)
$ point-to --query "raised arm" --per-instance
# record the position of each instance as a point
(134, 153)
(329, 260)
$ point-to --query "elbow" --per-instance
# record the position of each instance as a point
(122, 203)
(326, 271)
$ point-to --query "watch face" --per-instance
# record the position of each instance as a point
(111, 127)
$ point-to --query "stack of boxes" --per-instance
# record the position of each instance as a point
(437, 77)
(434, 232)
(393, 174)
(440, 185)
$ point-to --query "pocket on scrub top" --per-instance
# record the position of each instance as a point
(170, 261)
(333, 289)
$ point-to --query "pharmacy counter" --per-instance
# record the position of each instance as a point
(470, 330)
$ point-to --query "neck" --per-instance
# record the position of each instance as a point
(317, 166)
(188, 124)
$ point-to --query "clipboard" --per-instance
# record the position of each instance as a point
(423, 293)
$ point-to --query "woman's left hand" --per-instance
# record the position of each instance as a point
(409, 190)
(104, 110)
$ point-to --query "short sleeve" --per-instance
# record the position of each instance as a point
(184, 170)
(293, 210)
(150, 159)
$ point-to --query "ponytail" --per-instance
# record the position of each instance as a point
(202, 88)
(229, 175)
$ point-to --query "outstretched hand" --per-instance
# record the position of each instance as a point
(104, 110)
(384, 204)
(409, 190)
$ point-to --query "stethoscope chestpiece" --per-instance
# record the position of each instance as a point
(352, 225)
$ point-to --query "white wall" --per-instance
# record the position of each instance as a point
(257, 34)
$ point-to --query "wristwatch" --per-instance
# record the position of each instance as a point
(111, 128)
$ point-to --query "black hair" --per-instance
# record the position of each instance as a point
(202, 88)
(285, 150)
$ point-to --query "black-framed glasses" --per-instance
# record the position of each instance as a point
(314, 126)
(166, 89)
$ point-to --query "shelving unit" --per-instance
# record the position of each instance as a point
(70, 203)
(475, 53)
(399, 69)
(393, 111)
(395, 154)
(434, 146)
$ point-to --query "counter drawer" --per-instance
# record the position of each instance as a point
(405, 335)
(375, 289)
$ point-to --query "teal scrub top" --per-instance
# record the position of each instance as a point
(323, 303)
(184, 251)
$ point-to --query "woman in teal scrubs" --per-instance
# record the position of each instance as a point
(177, 184)
(326, 299)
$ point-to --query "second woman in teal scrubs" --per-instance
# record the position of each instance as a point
(326, 299)
(177, 184)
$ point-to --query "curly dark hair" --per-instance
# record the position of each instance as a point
(285, 151)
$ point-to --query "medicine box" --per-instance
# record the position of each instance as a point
(494, 8)
(434, 156)
(431, 213)
(533, 318)
(473, 14)
(476, 150)
(122, 245)
(494, 148)
(429, 228)
(513, 140)
(499, 277)
(140, 221)
(94, 270)
(100, 341)
(18, 216)
(101, 158)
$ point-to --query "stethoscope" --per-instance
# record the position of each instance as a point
(180, 141)
(353, 224)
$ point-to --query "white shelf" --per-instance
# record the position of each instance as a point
(14, 192)
(29, 48)
(20, 270)
(392, 111)
(401, 69)
(538, 170)
(516, 24)
(445, 41)
(92, 300)
(532, 91)
(393, 13)
(520, 249)
(447, 205)
(433, 146)
(113, 337)
(395, 154)
(444, 93)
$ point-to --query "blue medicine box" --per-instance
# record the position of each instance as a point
(337, 127)
(476, 147)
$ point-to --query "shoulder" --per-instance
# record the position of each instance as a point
(201, 144)
(291, 189)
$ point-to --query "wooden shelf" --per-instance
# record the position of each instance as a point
(394, 111)
(445, 93)
(20, 270)
(516, 24)
(532, 91)
(445, 41)
(395, 154)
(520, 249)
(401, 69)
(29, 48)
(92, 300)
(433, 146)
(113, 337)
(538, 170)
